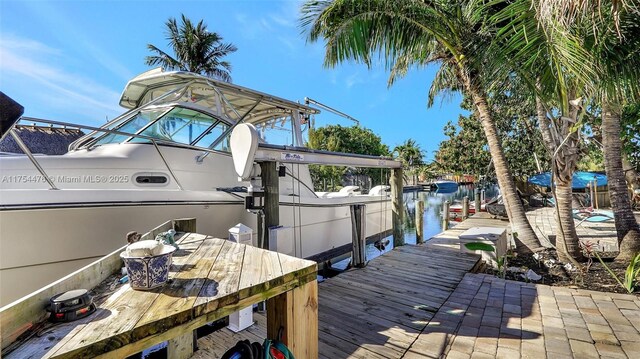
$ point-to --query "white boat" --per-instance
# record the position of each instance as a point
(167, 157)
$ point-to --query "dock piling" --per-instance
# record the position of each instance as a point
(419, 221)
(445, 215)
(358, 235)
(477, 200)
(271, 185)
(465, 207)
(397, 207)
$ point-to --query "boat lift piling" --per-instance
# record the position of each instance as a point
(358, 235)
(246, 151)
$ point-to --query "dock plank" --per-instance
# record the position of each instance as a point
(124, 313)
(180, 295)
(381, 310)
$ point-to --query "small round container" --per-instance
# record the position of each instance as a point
(150, 271)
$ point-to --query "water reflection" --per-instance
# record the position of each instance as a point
(433, 204)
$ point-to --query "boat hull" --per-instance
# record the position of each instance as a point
(42, 245)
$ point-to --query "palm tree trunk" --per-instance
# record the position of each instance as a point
(626, 224)
(563, 165)
(526, 239)
(567, 241)
(630, 173)
(545, 127)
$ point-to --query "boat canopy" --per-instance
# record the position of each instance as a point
(580, 179)
(226, 99)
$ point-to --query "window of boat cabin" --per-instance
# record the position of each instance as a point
(132, 125)
(277, 131)
(186, 126)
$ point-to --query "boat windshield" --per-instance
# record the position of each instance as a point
(173, 124)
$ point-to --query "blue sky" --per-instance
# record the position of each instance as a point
(69, 61)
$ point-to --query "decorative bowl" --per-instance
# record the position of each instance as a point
(150, 271)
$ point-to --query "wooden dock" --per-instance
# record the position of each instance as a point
(382, 310)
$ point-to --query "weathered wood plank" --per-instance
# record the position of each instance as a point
(333, 347)
(374, 330)
(392, 297)
(259, 269)
(221, 286)
(181, 347)
(99, 337)
(363, 308)
(203, 319)
(175, 306)
(19, 316)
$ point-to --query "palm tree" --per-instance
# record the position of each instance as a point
(587, 46)
(196, 50)
(411, 155)
(416, 33)
(552, 65)
(618, 56)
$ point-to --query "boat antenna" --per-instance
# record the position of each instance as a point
(308, 101)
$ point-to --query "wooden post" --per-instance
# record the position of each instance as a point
(358, 235)
(445, 215)
(271, 185)
(595, 191)
(397, 207)
(296, 312)
(465, 207)
(477, 203)
(181, 347)
(419, 221)
(187, 225)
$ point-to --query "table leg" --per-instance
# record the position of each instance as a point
(296, 312)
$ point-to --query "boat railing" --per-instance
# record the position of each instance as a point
(153, 140)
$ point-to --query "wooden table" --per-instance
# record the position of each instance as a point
(210, 279)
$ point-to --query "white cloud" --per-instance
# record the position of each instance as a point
(35, 69)
(353, 79)
(67, 30)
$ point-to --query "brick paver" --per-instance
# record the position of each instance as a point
(495, 318)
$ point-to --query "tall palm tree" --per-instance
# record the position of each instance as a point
(196, 50)
(552, 64)
(410, 153)
(618, 55)
(408, 33)
(593, 45)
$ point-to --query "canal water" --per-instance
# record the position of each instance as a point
(433, 204)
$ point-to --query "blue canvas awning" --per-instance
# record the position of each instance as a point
(580, 179)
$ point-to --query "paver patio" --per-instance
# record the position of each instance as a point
(487, 317)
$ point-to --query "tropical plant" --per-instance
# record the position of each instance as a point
(618, 55)
(410, 153)
(465, 148)
(556, 66)
(416, 33)
(631, 275)
(603, 54)
(196, 50)
(353, 139)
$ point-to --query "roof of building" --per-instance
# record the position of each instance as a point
(41, 139)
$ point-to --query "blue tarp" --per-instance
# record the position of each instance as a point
(580, 179)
